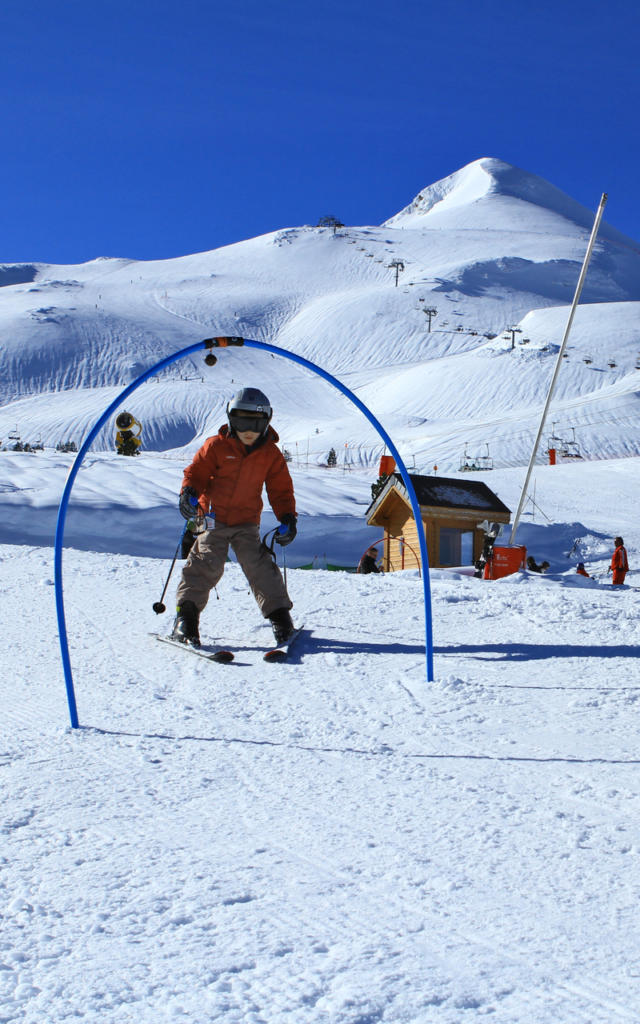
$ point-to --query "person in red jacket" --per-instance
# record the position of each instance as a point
(222, 490)
(619, 562)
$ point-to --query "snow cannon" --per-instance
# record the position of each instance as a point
(128, 439)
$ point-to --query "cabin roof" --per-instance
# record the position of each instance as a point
(444, 492)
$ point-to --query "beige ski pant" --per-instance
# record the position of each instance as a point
(205, 566)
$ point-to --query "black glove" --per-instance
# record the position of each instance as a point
(188, 504)
(289, 521)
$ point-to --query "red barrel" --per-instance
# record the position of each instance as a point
(505, 561)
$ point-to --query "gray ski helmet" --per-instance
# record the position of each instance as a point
(249, 409)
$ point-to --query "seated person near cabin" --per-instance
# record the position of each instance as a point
(368, 561)
(533, 566)
(581, 571)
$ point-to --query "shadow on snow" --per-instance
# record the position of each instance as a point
(538, 652)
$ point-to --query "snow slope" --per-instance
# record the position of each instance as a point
(329, 840)
(490, 248)
(334, 840)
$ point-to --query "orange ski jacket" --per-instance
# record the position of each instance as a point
(229, 478)
(619, 564)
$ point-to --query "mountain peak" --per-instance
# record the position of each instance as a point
(487, 178)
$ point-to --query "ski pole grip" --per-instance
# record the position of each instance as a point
(283, 528)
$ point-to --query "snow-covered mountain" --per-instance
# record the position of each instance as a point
(336, 840)
(490, 247)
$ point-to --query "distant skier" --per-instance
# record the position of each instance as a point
(368, 562)
(619, 563)
(581, 571)
(224, 483)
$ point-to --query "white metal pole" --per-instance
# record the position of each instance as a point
(567, 330)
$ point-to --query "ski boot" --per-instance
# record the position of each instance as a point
(185, 627)
(282, 625)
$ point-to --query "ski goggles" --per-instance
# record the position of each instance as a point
(256, 422)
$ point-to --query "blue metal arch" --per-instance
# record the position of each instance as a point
(100, 423)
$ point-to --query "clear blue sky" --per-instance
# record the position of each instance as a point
(155, 129)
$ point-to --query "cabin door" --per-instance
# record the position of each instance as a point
(455, 547)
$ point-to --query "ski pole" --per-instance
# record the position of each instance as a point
(270, 547)
(283, 529)
(158, 606)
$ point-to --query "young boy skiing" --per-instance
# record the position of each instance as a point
(224, 482)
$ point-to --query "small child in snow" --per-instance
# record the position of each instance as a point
(368, 562)
(224, 483)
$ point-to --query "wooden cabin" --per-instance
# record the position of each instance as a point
(455, 514)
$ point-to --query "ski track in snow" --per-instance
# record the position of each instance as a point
(332, 839)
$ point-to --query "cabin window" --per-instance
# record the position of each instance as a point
(456, 546)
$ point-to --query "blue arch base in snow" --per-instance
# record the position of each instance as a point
(211, 343)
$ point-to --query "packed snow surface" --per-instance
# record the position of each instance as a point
(337, 839)
(333, 839)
